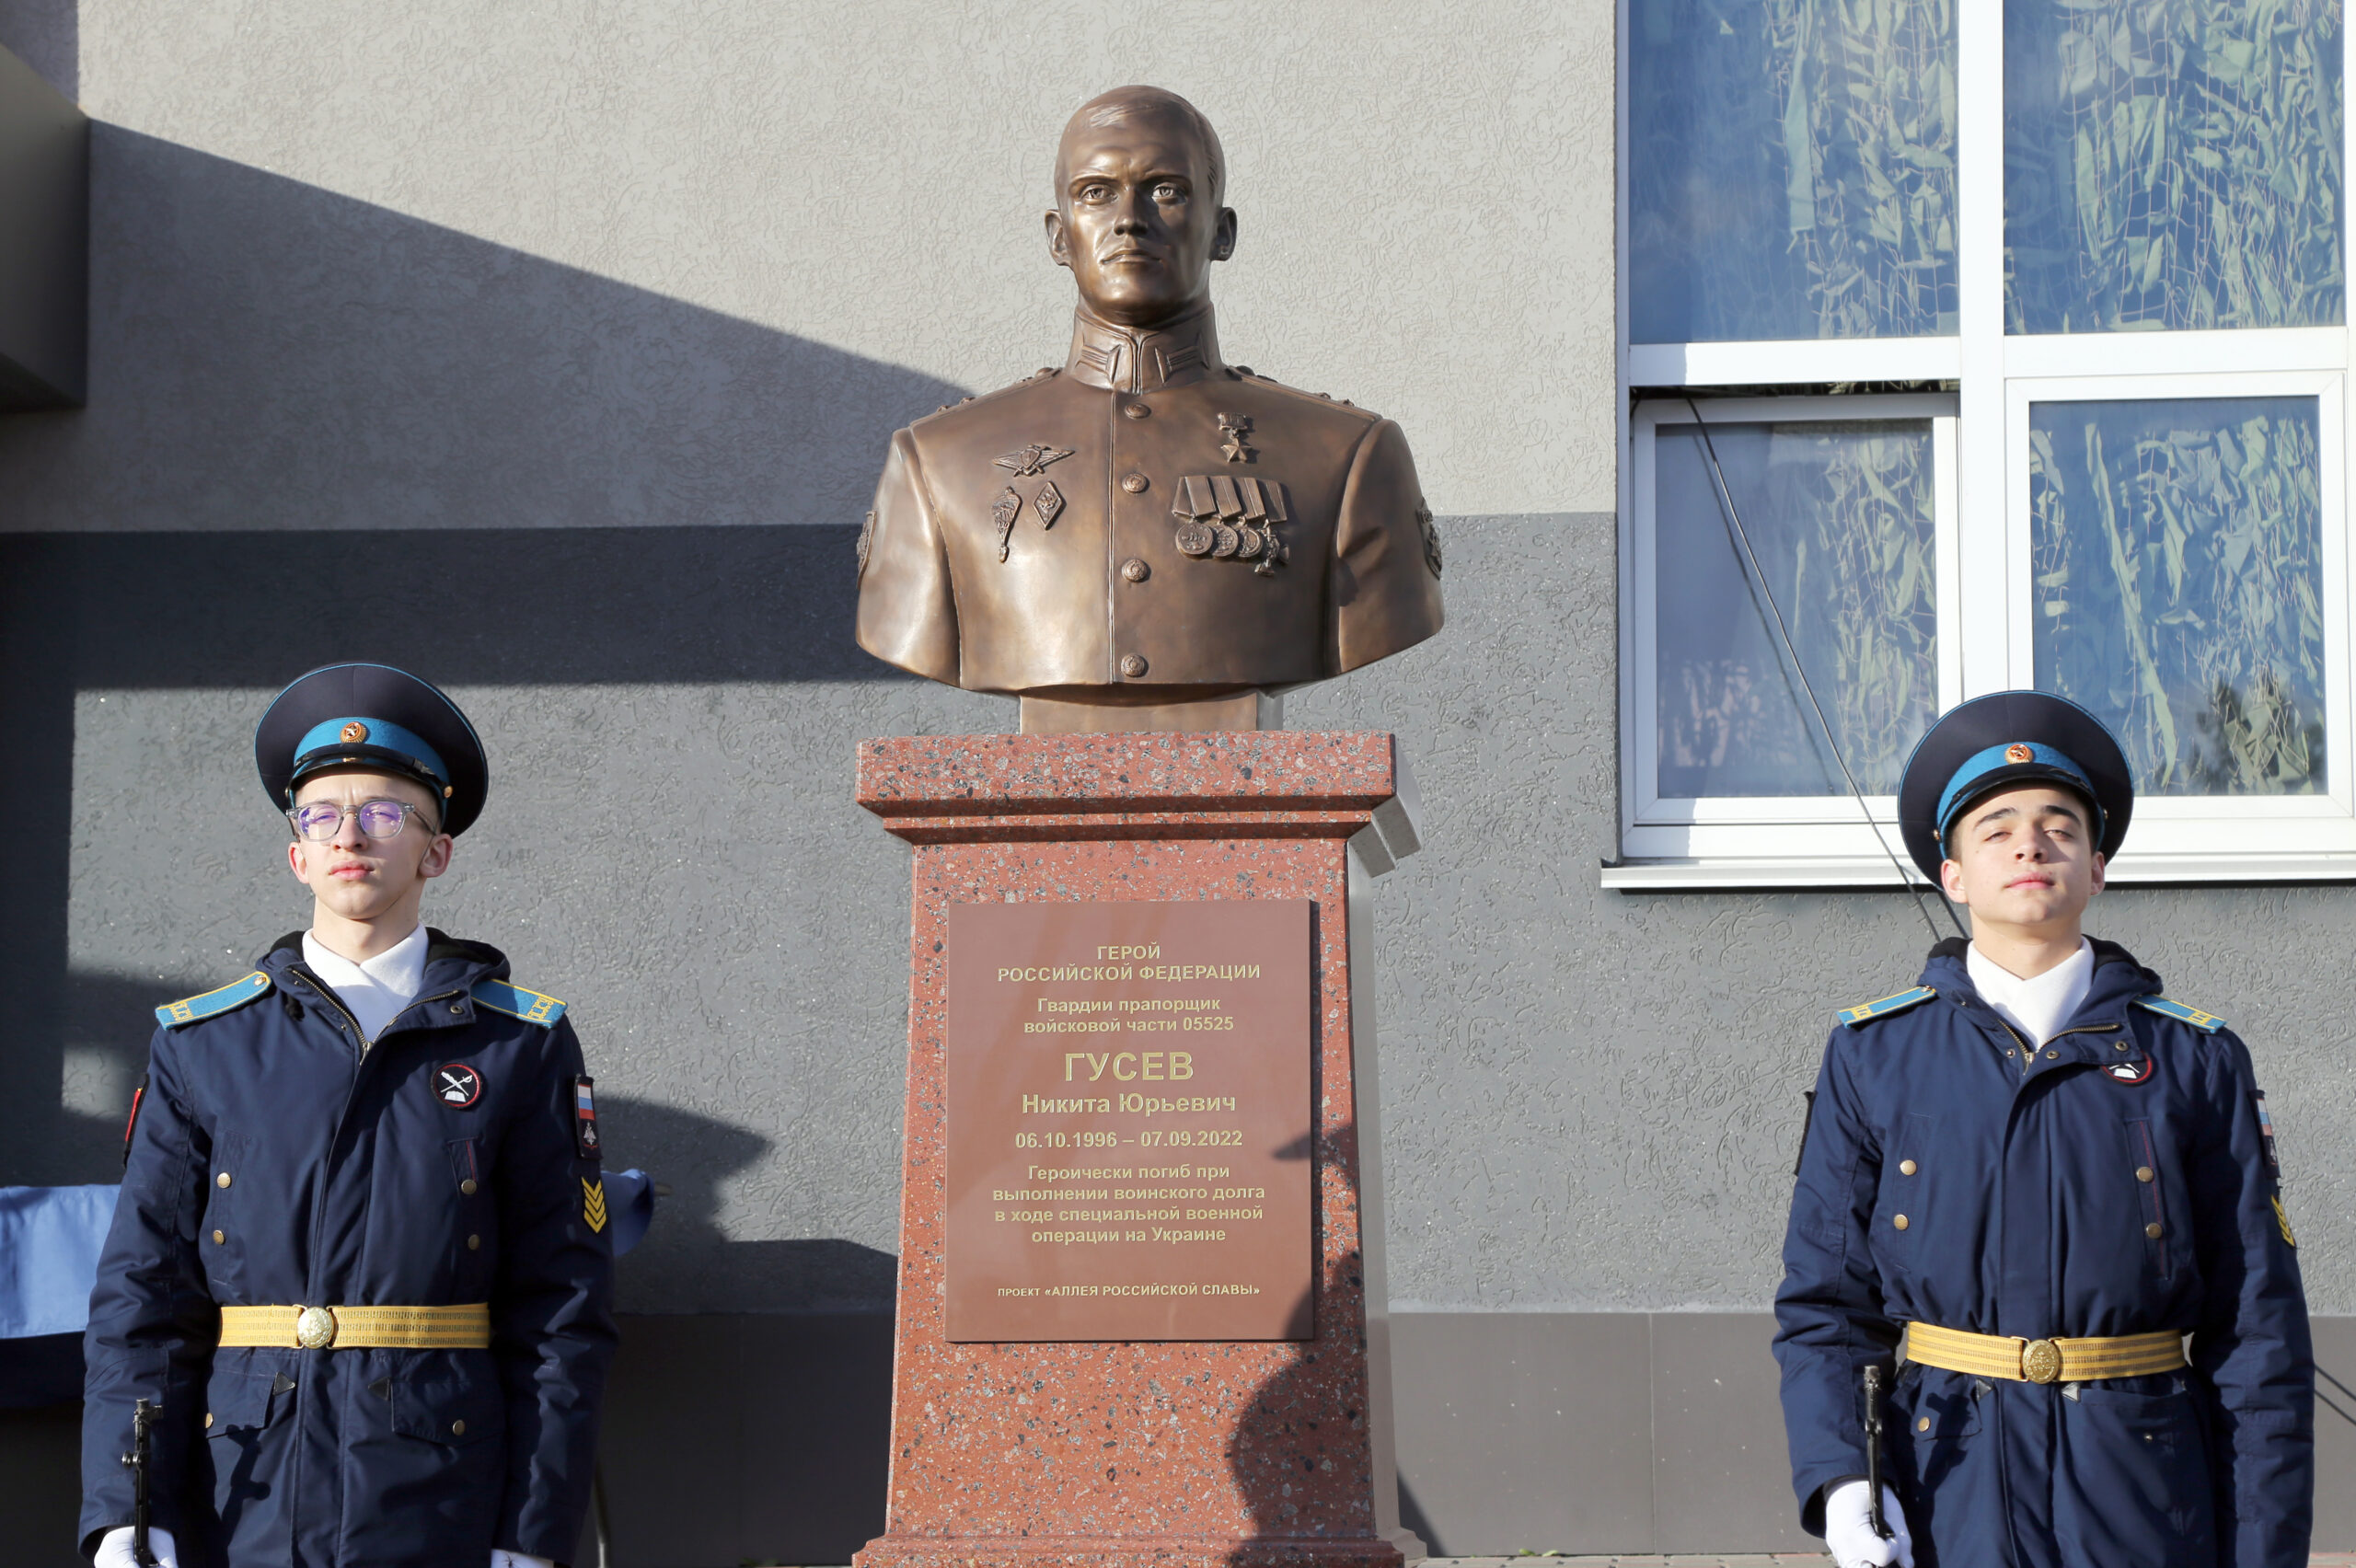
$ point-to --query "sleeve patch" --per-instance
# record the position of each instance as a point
(1864, 1012)
(2208, 1023)
(2283, 1220)
(532, 1006)
(211, 1004)
(593, 1204)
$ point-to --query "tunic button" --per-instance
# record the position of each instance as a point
(467, 1186)
(1906, 1168)
(2152, 1230)
(1133, 665)
(1135, 411)
(458, 1429)
(474, 1243)
(2142, 1173)
(220, 1238)
(222, 1180)
(1899, 1222)
(1135, 483)
(1135, 570)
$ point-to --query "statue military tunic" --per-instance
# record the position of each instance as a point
(1147, 517)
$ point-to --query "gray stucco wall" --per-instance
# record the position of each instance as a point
(572, 336)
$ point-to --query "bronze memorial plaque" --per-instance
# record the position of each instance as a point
(1129, 1120)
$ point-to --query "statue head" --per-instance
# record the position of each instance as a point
(1140, 177)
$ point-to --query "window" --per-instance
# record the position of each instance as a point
(2018, 334)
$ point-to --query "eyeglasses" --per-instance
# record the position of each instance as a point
(322, 820)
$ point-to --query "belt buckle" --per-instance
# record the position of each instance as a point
(315, 1328)
(2041, 1361)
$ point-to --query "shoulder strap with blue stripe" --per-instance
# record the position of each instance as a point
(1865, 1012)
(2207, 1023)
(213, 1004)
(532, 1006)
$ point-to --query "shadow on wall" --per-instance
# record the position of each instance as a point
(46, 36)
(547, 476)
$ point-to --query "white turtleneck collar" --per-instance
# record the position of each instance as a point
(375, 990)
(2039, 1008)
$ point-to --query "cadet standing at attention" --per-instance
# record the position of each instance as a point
(2046, 1174)
(360, 1261)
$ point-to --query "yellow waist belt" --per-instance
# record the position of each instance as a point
(2045, 1360)
(466, 1327)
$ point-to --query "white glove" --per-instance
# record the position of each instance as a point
(1850, 1535)
(114, 1549)
(503, 1558)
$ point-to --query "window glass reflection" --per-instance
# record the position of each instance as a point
(1840, 513)
(2172, 163)
(1791, 169)
(2178, 588)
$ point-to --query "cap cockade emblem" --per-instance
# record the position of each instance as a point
(2017, 752)
(1032, 459)
(354, 733)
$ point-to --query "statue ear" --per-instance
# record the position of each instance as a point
(1058, 239)
(1223, 242)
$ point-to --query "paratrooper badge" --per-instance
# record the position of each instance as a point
(1003, 511)
(1032, 459)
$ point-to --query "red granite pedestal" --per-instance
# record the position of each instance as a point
(1183, 1454)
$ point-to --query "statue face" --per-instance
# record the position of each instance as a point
(1138, 220)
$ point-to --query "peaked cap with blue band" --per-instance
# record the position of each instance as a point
(373, 716)
(2011, 737)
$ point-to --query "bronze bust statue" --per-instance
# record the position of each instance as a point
(1146, 538)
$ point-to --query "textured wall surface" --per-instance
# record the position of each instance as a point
(553, 348)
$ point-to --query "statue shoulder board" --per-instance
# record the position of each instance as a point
(2207, 1023)
(1865, 1012)
(1319, 401)
(213, 1004)
(515, 1001)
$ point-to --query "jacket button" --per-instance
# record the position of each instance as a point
(474, 1243)
(220, 1238)
(222, 1180)
(2142, 1173)
(1906, 1168)
(1135, 570)
(2152, 1230)
(208, 1420)
(1923, 1424)
(2120, 1046)
(458, 1429)
(467, 1186)
(2052, 1056)
(1135, 411)
(1135, 483)
(1899, 1222)
(1133, 665)
(457, 1007)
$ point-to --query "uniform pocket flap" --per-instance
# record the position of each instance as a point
(448, 1407)
(239, 1401)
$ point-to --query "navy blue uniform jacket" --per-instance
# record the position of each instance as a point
(2028, 1211)
(273, 1161)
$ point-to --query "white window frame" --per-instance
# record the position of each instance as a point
(1760, 830)
(1982, 505)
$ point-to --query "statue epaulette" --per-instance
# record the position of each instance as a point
(532, 1006)
(213, 1004)
(2208, 1023)
(1865, 1012)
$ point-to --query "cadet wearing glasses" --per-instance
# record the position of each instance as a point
(361, 1260)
